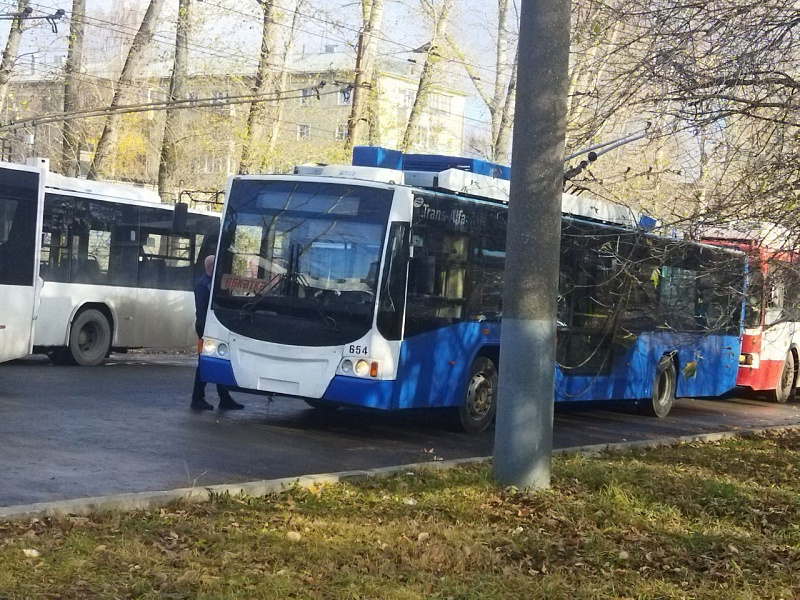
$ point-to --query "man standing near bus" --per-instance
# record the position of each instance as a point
(202, 295)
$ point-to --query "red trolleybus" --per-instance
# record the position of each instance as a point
(770, 354)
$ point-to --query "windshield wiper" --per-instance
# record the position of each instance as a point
(330, 322)
(249, 307)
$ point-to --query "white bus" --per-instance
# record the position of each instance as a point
(21, 200)
(116, 270)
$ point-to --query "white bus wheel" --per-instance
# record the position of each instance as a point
(664, 385)
(480, 401)
(786, 381)
(89, 338)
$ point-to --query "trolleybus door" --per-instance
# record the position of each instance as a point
(21, 200)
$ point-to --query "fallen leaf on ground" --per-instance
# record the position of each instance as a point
(293, 536)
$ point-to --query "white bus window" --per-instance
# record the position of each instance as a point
(90, 233)
(18, 229)
(55, 238)
(166, 258)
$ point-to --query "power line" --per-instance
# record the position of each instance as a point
(107, 25)
(214, 52)
(164, 105)
(354, 30)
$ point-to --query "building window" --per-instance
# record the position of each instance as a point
(306, 95)
(303, 133)
(343, 97)
(440, 104)
(423, 137)
(341, 132)
(408, 100)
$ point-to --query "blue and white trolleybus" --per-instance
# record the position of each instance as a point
(382, 288)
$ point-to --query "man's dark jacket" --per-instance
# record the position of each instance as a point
(202, 294)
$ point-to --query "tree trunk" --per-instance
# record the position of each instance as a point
(432, 56)
(261, 85)
(374, 107)
(497, 97)
(283, 77)
(134, 58)
(71, 146)
(365, 69)
(177, 90)
(500, 66)
(501, 151)
(10, 53)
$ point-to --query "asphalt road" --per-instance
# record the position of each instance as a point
(70, 432)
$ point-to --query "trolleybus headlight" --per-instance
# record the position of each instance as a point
(362, 368)
(222, 350)
(347, 367)
(209, 346)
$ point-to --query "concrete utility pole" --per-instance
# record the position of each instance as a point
(70, 154)
(524, 433)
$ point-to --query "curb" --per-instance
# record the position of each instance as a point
(265, 487)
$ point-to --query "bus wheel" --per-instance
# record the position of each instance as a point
(664, 385)
(323, 406)
(786, 381)
(90, 338)
(480, 403)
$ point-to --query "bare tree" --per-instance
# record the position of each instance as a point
(177, 90)
(129, 69)
(70, 152)
(499, 99)
(11, 52)
(283, 77)
(262, 84)
(432, 56)
(372, 16)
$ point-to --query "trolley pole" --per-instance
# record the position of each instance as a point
(524, 433)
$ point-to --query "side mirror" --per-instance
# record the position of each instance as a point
(179, 217)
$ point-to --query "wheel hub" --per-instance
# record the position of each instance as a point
(479, 396)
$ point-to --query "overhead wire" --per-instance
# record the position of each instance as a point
(381, 35)
(191, 103)
(119, 29)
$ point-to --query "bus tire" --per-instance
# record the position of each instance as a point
(480, 397)
(787, 380)
(89, 338)
(664, 384)
(321, 405)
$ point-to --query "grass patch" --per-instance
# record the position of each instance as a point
(695, 521)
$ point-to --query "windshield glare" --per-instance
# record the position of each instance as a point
(300, 260)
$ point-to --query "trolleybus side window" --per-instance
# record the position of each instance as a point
(487, 261)
(18, 228)
(437, 279)
(393, 286)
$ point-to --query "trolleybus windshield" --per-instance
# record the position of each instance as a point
(299, 261)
